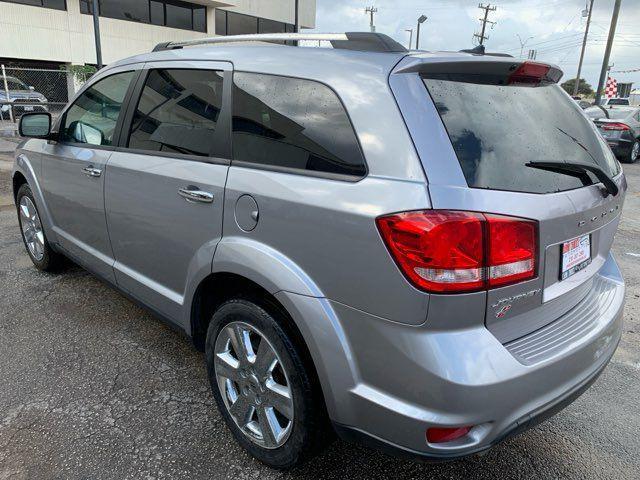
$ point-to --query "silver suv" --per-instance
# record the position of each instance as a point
(410, 249)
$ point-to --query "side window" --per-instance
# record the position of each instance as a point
(292, 123)
(177, 112)
(93, 116)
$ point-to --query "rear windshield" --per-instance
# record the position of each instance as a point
(496, 129)
(617, 114)
(618, 101)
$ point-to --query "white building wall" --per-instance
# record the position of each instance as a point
(37, 33)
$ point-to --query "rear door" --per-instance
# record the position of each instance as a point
(476, 131)
(74, 167)
(165, 188)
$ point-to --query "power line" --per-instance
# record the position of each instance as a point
(488, 8)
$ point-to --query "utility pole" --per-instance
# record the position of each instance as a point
(481, 36)
(607, 52)
(410, 30)
(96, 32)
(371, 11)
(584, 47)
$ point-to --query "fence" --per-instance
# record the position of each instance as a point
(25, 90)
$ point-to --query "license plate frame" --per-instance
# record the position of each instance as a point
(575, 255)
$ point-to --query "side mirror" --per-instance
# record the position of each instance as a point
(35, 125)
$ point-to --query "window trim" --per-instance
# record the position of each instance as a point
(299, 171)
(121, 116)
(66, 8)
(224, 153)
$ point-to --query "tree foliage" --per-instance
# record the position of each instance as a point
(584, 88)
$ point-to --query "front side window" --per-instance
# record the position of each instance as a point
(93, 116)
(178, 112)
(292, 123)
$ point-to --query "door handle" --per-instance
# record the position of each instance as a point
(192, 194)
(91, 171)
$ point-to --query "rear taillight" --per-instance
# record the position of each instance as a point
(529, 72)
(449, 251)
(615, 126)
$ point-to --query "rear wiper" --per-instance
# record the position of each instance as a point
(577, 169)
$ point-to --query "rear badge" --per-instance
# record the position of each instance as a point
(507, 302)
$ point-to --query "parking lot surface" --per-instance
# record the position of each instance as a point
(91, 386)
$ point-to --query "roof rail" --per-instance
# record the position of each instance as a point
(363, 41)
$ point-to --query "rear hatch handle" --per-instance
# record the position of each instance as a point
(578, 169)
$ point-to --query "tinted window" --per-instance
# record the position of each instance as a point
(200, 19)
(156, 12)
(92, 117)
(178, 16)
(177, 112)
(221, 22)
(292, 123)
(238, 24)
(56, 4)
(125, 10)
(497, 129)
(270, 26)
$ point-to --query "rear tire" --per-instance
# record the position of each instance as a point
(33, 236)
(634, 155)
(302, 430)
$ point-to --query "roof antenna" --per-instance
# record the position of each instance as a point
(477, 50)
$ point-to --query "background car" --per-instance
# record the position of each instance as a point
(20, 93)
(620, 126)
(615, 101)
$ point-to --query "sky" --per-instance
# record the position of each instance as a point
(555, 28)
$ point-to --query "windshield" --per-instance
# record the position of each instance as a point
(15, 84)
(497, 129)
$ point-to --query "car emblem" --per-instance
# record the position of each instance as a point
(503, 311)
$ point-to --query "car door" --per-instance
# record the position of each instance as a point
(164, 189)
(73, 169)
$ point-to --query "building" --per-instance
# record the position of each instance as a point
(51, 33)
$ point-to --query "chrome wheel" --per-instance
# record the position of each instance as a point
(253, 384)
(31, 228)
(635, 151)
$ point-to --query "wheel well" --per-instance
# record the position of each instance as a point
(217, 288)
(18, 181)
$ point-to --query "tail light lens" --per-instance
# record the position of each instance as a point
(442, 435)
(447, 251)
(615, 126)
(530, 73)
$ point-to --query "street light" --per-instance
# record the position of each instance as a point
(421, 20)
(410, 30)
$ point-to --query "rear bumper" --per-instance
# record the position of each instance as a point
(385, 383)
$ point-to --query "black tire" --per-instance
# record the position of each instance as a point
(310, 431)
(633, 158)
(51, 261)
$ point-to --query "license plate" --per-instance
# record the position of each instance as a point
(28, 108)
(576, 255)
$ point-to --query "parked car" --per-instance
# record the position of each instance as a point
(620, 127)
(362, 240)
(614, 101)
(23, 95)
(583, 103)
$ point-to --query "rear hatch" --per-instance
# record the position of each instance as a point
(480, 127)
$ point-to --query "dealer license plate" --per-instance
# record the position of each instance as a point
(576, 255)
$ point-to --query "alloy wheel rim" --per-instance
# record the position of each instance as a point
(635, 151)
(254, 385)
(31, 228)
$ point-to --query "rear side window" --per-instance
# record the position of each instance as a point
(496, 129)
(178, 112)
(292, 123)
(93, 116)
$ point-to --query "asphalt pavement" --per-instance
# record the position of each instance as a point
(94, 387)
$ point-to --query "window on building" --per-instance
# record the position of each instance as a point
(178, 112)
(55, 4)
(231, 23)
(93, 116)
(170, 13)
(292, 123)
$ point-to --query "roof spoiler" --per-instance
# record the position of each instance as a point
(361, 41)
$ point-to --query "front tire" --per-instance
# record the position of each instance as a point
(33, 236)
(263, 390)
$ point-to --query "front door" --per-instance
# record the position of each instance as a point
(164, 190)
(74, 169)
